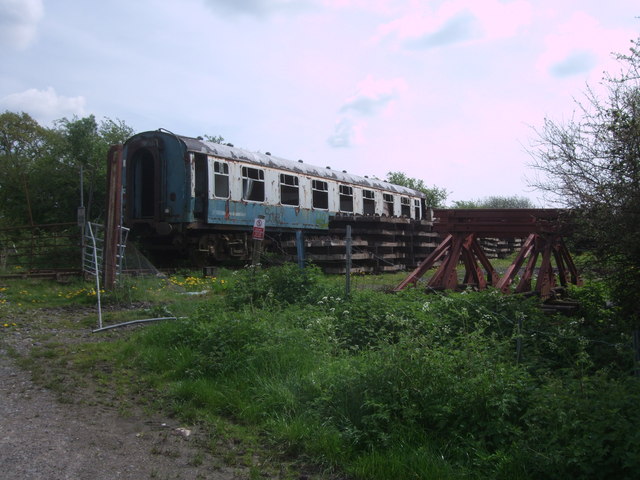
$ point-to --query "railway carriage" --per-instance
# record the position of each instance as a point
(193, 196)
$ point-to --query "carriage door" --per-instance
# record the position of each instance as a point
(201, 186)
(143, 181)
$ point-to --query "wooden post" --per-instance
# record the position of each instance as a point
(348, 263)
(636, 352)
(300, 248)
(258, 237)
(113, 220)
(519, 340)
(257, 252)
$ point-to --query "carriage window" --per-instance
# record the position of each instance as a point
(387, 204)
(252, 184)
(320, 196)
(346, 198)
(405, 207)
(368, 202)
(416, 207)
(289, 190)
(221, 180)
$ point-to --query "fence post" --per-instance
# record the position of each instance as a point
(348, 263)
(519, 340)
(257, 237)
(113, 220)
(636, 352)
(300, 248)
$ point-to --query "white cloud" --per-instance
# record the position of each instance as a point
(44, 105)
(459, 28)
(257, 8)
(261, 8)
(346, 133)
(373, 97)
(579, 45)
(380, 6)
(18, 22)
(575, 63)
(458, 21)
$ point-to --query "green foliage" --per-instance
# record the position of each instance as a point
(41, 167)
(435, 196)
(214, 138)
(592, 165)
(583, 428)
(33, 293)
(514, 201)
(408, 385)
(23, 143)
(276, 286)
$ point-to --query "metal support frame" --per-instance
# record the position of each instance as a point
(544, 229)
(545, 247)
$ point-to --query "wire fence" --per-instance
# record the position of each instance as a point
(40, 248)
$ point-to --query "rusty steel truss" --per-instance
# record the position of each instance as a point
(543, 230)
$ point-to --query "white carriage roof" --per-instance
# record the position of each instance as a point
(271, 161)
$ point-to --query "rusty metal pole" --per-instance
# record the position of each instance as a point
(113, 220)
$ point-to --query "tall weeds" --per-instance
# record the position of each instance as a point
(407, 385)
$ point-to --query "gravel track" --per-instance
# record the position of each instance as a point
(44, 438)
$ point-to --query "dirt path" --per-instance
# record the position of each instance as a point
(42, 438)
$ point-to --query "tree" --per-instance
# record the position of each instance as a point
(214, 138)
(592, 164)
(85, 143)
(40, 182)
(23, 143)
(495, 202)
(435, 196)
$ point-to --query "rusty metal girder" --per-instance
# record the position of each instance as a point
(543, 229)
(113, 221)
(502, 222)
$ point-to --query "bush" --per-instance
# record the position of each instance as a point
(431, 379)
(583, 428)
(274, 287)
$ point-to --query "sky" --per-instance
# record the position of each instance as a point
(447, 91)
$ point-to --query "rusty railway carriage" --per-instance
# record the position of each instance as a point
(200, 198)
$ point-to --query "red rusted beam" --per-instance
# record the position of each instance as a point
(501, 222)
(473, 272)
(425, 265)
(543, 229)
(513, 269)
(446, 277)
(479, 255)
(113, 220)
(546, 279)
(567, 271)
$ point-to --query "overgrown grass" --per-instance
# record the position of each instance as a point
(381, 386)
(409, 385)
